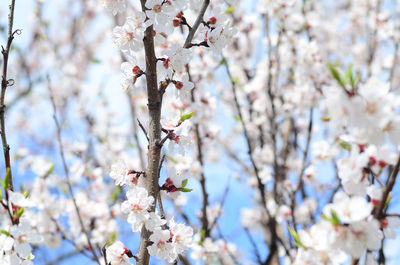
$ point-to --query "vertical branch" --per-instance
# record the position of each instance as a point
(4, 84)
(66, 172)
(153, 156)
(204, 219)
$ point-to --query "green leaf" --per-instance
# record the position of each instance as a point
(202, 236)
(50, 170)
(95, 60)
(389, 198)
(112, 238)
(25, 193)
(296, 238)
(4, 232)
(187, 116)
(334, 219)
(173, 160)
(184, 183)
(7, 179)
(325, 118)
(20, 211)
(235, 80)
(349, 73)
(345, 145)
(115, 193)
(222, 62)
(185, 189)
(230, 10)
(237, 118)
(335, 74)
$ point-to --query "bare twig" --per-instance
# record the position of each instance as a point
(66, 172)
(144, 130)
(4, 84)
(204, 218)
(254, 245)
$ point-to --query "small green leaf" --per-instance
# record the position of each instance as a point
(20, 211)
(112, 238)
(7, 179)
(202, 236)
(187, 116)
(4, 232)
(172, 159)
(237, 118)
(345, 145)
(349, 73)
(235, 80)
(184, 183)
(334, 219)
(185, 189)
(50, 170)
(325, 118)
(335, 74)
(387, 201)
(95, 60)
(296, 238)
(25, 193)
(115, 193)
(222, 62)
(230, 10)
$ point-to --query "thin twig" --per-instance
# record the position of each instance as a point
(254, 245)
(379, 213)
(144, 130)
(205, 203)
(4, 84)
(66, 172)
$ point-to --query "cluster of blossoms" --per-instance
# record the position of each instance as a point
(295, 103)
(17, 233)
(168, 240)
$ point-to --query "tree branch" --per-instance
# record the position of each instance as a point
(4, 84)
(153, 156)
(66, 172)
(196, 24)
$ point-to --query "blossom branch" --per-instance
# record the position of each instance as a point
(153, 156)
(379, 213)
(196, 24)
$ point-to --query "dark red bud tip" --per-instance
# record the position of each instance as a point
(212, 20)
(372, 160)
(176, 22)
(384, 223)
(375, 202)
(136, 70)
(166, 62)
(382, 163)
(178, 85)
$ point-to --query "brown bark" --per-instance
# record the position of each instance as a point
(153, 156)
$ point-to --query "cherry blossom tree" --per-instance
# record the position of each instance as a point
(200, 132)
